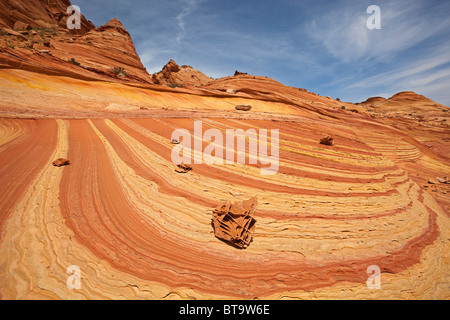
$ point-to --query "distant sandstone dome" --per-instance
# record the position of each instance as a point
(174, 75)
(374, 100)
(407, 95)
(401, 96)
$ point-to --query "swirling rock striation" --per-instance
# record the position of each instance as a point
(137, 229)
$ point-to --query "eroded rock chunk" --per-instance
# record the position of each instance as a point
(183, 168)
(233, 222)
(238, 73)
(61, 162)
(327, 141)
(243, 107)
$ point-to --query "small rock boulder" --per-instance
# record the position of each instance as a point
(243, 107)
(443, 180)
(19, 36)
(328, 141)
(61, 162)
(19, 25)
(233, 222)
(183, 168)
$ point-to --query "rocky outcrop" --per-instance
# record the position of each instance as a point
(138, 229)
(61, 162)
(173, 75)
(408, 96)
(110, 48)
(183, 168)
(406, 100)
(234, 223)
(38, 14)
(265, 88)
(238, 73)
(373, 101)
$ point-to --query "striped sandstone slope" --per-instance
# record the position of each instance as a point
(138, 229)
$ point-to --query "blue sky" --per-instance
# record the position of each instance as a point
(323, 46)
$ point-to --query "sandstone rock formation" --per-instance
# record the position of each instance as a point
(406, 101)
(61, 162)
(328, 141)
(97, 50)
(110, 48)
(238, 73)
(243, 107)
(175, 76)
(234, 223)
(373, 101)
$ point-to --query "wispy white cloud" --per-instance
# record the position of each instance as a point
(409, 52)
(188, 6)
(428, 75)
(344, 34)
(432, 78)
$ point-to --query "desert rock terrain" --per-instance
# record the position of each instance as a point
(137, 229)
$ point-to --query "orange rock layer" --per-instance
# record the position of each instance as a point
(136, 228)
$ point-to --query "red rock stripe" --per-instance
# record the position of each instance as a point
(145, 170)
(22, 160)
(298, 158)
(102, 219)
(219, 174)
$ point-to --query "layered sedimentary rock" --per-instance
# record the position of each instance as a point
(49, 46)
(175, 76)
(328, 141)
(103, 49)
(136, 228)
(20, 14)
(60, 162)
(322, 220)
(183, 168)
